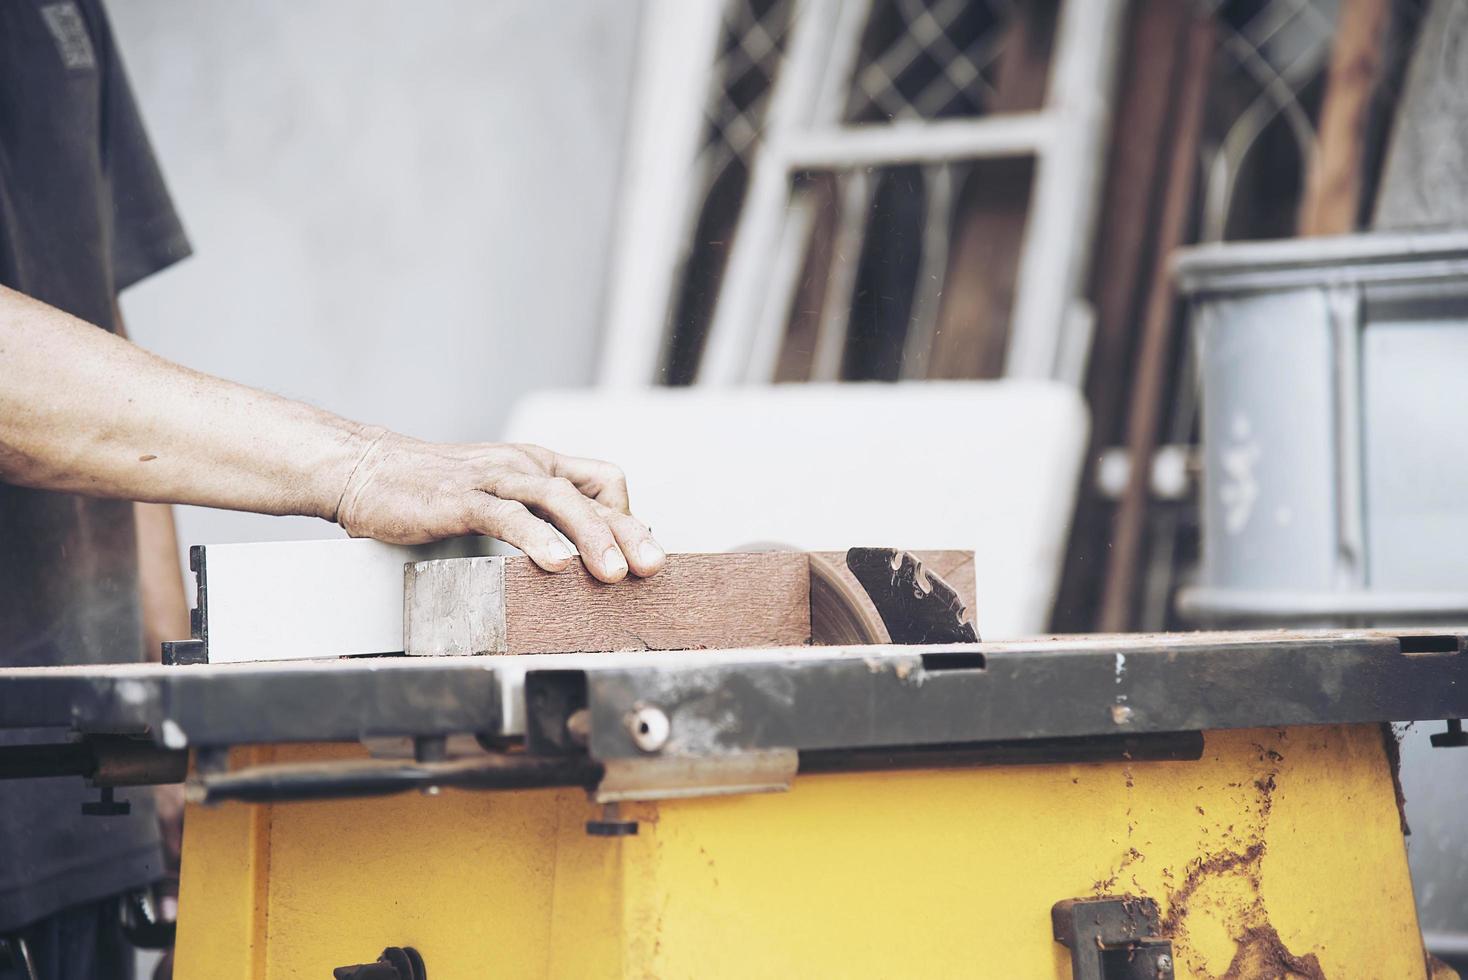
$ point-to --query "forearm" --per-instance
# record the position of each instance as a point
(86, 412)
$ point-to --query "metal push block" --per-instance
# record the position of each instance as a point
(395, 963)
(1113, 938)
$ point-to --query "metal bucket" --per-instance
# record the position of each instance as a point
(1334, 376)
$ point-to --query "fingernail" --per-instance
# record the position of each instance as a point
(650, 553)
(613, 561)
(559, 552)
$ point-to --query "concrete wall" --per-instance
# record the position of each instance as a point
(400, 211)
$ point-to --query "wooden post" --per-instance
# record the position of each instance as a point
(1332, 197)
(1154, 356)
(1127, 239)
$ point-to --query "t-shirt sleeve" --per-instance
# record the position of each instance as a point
(147, 235)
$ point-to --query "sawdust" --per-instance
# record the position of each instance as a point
(1262, 956)
(1259, 951)
(1437, 969)
(1104, 885)
(1204, 869)
(1393, 747)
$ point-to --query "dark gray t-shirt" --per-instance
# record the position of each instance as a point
(83, 214)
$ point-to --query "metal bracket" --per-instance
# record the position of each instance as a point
(676, 777)
(1113, 938)
(195, 650)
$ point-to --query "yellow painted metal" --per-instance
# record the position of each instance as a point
(1278, 854)
(228, 882)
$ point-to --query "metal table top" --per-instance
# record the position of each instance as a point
(806, 698)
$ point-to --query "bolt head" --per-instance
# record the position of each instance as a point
(649, 728)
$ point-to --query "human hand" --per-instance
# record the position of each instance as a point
(405, 491)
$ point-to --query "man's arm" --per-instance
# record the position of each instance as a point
(86, 412)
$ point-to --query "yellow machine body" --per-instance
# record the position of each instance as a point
(1278, 854)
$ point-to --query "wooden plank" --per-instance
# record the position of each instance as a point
(1126, 242)
(1332, 199)
(698, 602)
(1153, 358)
(454, 607)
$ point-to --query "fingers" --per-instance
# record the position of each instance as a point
(601, 481)
(578, 517)
(512, 522)
(643, 554)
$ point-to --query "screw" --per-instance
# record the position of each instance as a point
(649, 728)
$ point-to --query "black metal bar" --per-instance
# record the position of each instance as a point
(1162, 747)
(40, 761)
(105, 760)
(236, 704)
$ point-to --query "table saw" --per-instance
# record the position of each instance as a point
(1191, 805)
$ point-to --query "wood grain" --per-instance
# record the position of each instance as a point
(697, 602)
